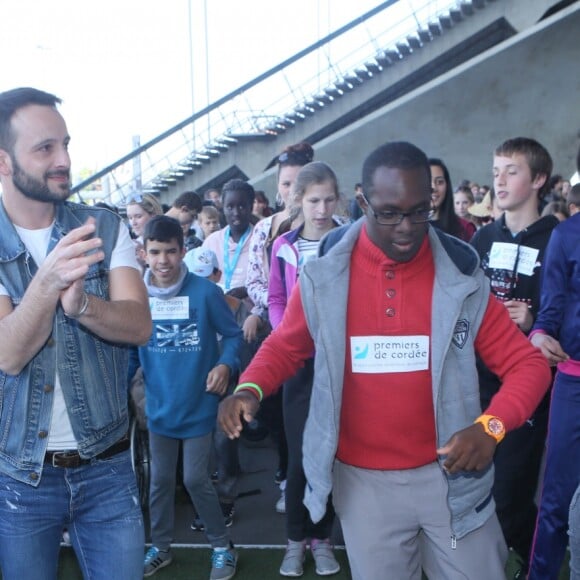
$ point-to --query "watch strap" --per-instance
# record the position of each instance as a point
(493, 426)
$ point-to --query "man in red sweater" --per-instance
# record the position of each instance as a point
(396, 312)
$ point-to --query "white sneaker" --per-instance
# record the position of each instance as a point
(292, 564)
(281, 503)
(326, 564)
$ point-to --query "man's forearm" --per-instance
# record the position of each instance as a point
(122, 321)
(26, 328)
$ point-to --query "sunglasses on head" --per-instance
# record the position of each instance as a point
(295, 157)
(136, 198)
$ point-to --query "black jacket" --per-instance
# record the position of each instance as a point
(516, 280)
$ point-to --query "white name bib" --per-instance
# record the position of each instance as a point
(171, 309)
(502, 256)
(389, 354)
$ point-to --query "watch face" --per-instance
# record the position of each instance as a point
(495, 426)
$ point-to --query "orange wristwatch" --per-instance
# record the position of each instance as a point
(493, 426)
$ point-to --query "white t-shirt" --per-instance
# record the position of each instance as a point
(61, 435)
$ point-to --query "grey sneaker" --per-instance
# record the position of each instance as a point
(292, 564)
(326, 563)
(155, 559)
(223, 563)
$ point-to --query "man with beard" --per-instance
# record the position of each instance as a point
(71, 300)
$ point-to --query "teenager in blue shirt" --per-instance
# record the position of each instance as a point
(185, 374)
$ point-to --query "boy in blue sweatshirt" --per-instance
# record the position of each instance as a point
(185, 375)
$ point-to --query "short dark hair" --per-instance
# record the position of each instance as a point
(189, 199)
(537, 157)
(13, 100)
(396, 155)
(574, 195)
(554, 180)
(241, 186)
(162, 228)
(555, 207)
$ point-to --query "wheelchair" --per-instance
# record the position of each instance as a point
(139, 439)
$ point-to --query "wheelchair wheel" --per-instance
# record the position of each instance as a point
(140, 459)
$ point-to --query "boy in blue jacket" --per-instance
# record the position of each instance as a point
(185, 375)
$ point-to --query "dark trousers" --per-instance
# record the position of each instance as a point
(296, 403)
(561, 479)
(271, 415)
(517, 463)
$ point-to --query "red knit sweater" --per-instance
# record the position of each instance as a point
(503, 348)
(390, 299)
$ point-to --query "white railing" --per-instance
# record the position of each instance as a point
(280, 97)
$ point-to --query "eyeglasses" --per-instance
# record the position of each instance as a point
(394, 218)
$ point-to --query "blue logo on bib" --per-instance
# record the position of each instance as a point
(360, 354)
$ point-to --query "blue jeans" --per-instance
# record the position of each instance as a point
(98, 504)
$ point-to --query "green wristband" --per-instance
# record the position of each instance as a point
(244, 386)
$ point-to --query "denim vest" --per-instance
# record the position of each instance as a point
(92, 371)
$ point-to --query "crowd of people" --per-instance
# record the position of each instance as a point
(431, 361)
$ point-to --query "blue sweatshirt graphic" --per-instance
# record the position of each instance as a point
(183, 348)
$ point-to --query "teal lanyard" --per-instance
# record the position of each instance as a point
(230, 268)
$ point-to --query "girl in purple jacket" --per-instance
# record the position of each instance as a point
(315, 196)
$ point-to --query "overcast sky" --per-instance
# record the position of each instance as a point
(123, 67)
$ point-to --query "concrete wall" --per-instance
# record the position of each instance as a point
(527, 86)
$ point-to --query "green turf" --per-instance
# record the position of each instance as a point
(253, 564)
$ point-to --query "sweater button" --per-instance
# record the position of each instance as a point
(390, 274)
(390, 293)
(390, 312)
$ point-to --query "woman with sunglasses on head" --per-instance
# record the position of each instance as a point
(140, 209)
(289, 163)
(443, 213)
